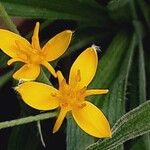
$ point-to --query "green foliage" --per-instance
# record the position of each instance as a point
(127, 127)
(56, 9)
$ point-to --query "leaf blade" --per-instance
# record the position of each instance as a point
(125, 128)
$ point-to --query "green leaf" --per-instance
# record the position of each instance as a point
(119, 11)
(86, 36)
(109, 64)
(25, 120)
(145, 9)
(4, 78)
(117, 4)
(142, 89)
(138, 91)
(74, 134)
(131, 125)
(3, 60)
(56, 9)
(6, 19)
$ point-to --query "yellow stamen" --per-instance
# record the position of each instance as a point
(80, 106)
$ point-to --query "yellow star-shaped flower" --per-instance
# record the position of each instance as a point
(32, 55)
(71, 97)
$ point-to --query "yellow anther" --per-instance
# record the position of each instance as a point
(83, 90)
(81, 105)
(64, 104)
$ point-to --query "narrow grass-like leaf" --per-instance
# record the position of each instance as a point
(90, 36)
(140, 94)
(145, 8)
(119, 10)
(109, 64)
(4, 78)
(56, 9)
(26, 120)
(116, 4)
(131, 125)
(74, 134)
(3, 60)
(7, 21)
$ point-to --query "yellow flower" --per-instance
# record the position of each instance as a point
(32, 54)
(71, 97)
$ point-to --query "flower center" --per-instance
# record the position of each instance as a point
(71, 96)
(28, 54)
(35, 57)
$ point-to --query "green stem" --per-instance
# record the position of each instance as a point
(26, 120)
(40, 132)
(8, 22)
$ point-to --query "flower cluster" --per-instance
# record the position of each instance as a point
(71, 95)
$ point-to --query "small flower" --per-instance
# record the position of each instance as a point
(71, 97)
(32, 54)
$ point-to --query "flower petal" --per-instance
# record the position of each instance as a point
(56, 46)
(60, 77)
(38, 95)
(35, 37)
(96, 92)
(12, 60)
(86, 65)
(27, 72)
(49, 68)
(59, 120)
(8, 42)
(92, 120)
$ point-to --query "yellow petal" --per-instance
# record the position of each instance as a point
(50, 68)
(35, 37)
(12, 60)
(38, 95)
(96, 92)
(56, 46)
(60, 77)
(27, 72)
(86, 65)
(8, 42)
(59, 120)
(92, 120)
